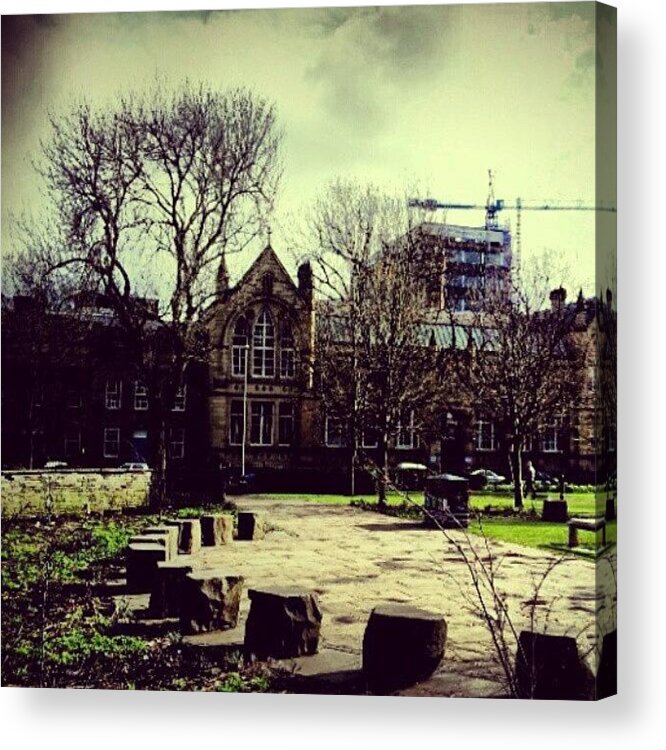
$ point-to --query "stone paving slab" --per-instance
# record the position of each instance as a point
(356, 560)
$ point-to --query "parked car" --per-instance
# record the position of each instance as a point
(545, 481)
(480, 478)
(55, 465)
(135, 466)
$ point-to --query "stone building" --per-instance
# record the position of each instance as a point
(82, 401)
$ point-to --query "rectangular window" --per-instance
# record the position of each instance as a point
(180, 399)
(72, 443)
(286, 423)
(73, 397)
(485, 435)
(236, 423)
(111, 442)
(369, 439)
(287, 362)
(261, 423)
(238, 360)
(114, 390)
(334, 433)
(551, 438)
(407, 436)
(176, 442)
(140, 396)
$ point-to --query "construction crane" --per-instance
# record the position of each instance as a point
(493, 206)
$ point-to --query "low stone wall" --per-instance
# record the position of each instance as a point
(28, 492)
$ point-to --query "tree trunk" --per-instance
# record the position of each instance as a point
(382, 478)
(352, 472)
(160, 468)
(516, 459)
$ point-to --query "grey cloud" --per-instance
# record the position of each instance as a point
(365, 52)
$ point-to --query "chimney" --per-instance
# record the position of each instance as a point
(557, 298)
(305, 286)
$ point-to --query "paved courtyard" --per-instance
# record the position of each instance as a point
(355, 560)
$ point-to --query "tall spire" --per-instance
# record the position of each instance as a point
(222, 277)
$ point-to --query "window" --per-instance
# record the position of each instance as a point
(73, 397)
(72, 443)
(239, 347)
(111, 442)
(140, 396)
(263, 347)
(286, 423)
(287, 366)
(236, 423)
(267, 284)
(369, 438)
(334, 433)
(261, 423)
(180, 398)
(407, 436)
(176, 442)
(551, 438)
(485, 435)
(114, 390)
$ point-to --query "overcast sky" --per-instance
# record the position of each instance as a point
(433, 95)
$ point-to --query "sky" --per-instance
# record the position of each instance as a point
(428, 96)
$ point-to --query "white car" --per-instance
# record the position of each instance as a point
(136, 466)
(489, 476)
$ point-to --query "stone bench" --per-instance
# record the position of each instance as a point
(251, 526)
(141, 561)
(284, 622)
(166, 594)
(586, 524)
(210, 600)
(217, 529)
(402, 645)
(189, 534)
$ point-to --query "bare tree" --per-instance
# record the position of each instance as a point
(155, 192)
(524, 365)
(375, 368)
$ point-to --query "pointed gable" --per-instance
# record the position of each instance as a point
(267, 264)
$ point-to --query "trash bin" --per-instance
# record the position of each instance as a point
(447, 501)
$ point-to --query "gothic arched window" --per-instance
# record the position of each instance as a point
(239, 347)
(263, 347)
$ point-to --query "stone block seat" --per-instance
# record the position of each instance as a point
(217, 529)
(167, 591)
(586, 524)
(189, 534)
(402, 645)
(210, 600)
(284, 622)
(549, 667)
(251, 526)
(141, 560)
(171, 532)
(145, 538)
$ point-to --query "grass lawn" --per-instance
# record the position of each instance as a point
(579, 503)
(526, 532)
(537, 533)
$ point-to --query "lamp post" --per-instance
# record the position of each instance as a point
(247, 357)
